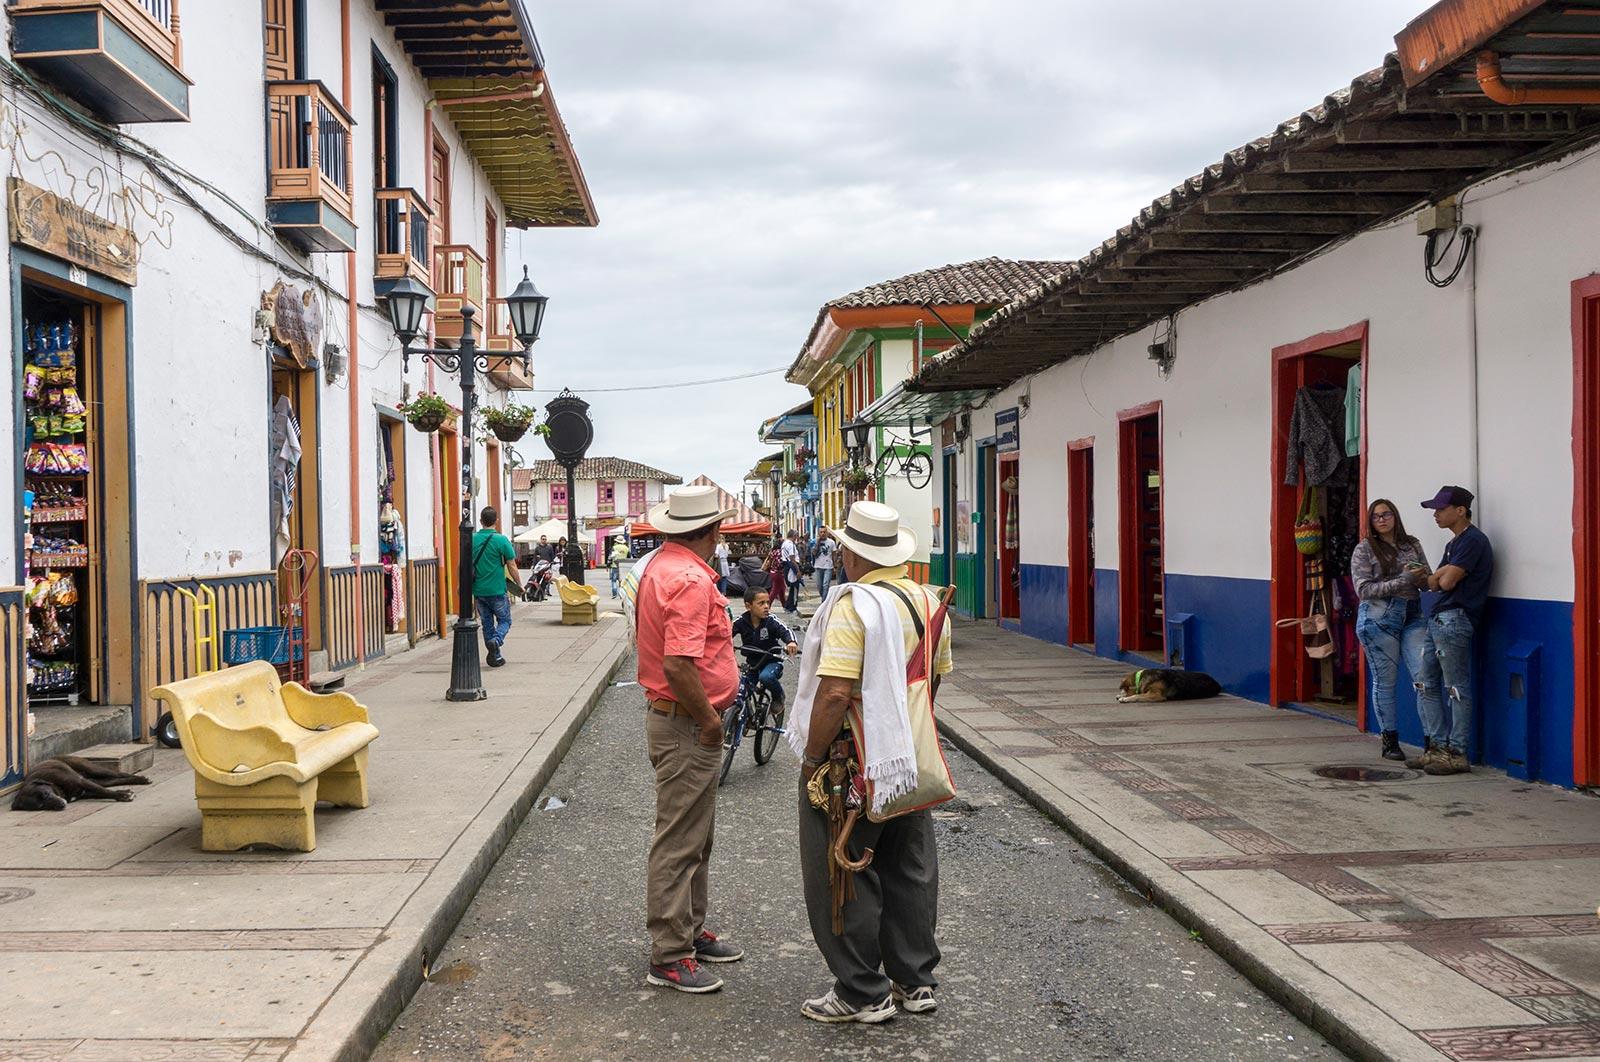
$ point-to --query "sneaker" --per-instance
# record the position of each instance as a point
(495, 659)
(707, 948)
(830, 1008)
(915, 1000)
(685, 975)
(1391, 746)
(1448, 761)
(1422, 759)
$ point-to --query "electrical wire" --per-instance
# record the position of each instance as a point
(662, 387)
(1468, 236)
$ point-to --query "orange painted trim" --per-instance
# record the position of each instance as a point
(839, 322)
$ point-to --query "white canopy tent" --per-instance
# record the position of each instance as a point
(554, 530)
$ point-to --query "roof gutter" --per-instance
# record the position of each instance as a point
(1494, 85)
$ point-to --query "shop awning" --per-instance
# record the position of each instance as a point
(901, 406)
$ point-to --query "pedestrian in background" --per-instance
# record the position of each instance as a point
(494, 562)
(1462, 581)
(619, 553)
(686, 667)
(822, 561)
(1388, 567)
(789, 587)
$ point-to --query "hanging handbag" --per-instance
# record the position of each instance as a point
(1308, 525)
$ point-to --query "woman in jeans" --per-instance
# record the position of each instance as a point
(1388, 566)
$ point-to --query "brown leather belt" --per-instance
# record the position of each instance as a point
(668, 708)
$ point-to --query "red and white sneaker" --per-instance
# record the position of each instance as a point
(707, 948)
(685, 975)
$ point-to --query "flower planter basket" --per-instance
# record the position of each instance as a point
(856, 479)
(428, 421)
(510, 433)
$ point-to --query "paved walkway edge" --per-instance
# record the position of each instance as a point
(1350, 1022)
(360, 1012)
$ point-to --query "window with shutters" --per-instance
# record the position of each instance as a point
(605, 497)
(636, 498)
(558, 499)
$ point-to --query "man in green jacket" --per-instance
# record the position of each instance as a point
(494, 561)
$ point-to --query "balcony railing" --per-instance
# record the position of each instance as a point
(310, 144)
(457, 283)
(404, 232)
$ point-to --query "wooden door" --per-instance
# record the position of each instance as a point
(281, 30)
(450, 476)
(1080, 542)
(491, 254)
(439, 195)
(1586, 531)
(1142, 577)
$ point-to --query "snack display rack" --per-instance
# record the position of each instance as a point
(56, 552)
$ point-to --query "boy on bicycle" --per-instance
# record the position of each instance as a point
(759, 633)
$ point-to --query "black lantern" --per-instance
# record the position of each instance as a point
(527, 310)
(408, 300)
(855, 435)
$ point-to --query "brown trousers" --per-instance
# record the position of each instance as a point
(676, 881)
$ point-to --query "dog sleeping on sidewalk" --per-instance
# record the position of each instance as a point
(1159, 684)
(53, 784)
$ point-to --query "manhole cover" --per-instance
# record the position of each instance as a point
(1351, 772)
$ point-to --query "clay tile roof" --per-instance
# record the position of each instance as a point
(614, 468)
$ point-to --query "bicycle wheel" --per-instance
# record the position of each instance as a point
(919, 470)
(732, 727)
(888, 463)
(767, 736)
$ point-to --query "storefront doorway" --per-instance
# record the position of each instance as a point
(450, 503)
(1008, 552)
(1080, 541)
(947, 528)
(393, 520)
(295, 471)
(1319, 668)
(985, 605)
(74, 444)
(1142, 578)
(1586, 531)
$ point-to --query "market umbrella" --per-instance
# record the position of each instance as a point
(553, 530)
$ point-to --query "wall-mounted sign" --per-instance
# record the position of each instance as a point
(963, 523)
(1007, 430)
(62, 229)
(947, 434)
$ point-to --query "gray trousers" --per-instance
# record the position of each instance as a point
(889, 925)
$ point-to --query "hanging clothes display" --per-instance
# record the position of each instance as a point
(1013, 524)
(1316, 434)
(1352, 412)
(285, 446)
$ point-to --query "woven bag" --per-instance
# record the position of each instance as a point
(1308, 525)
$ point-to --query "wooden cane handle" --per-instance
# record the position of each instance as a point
(841, 853)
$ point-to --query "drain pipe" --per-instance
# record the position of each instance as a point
(352, 366)
(1494, 85)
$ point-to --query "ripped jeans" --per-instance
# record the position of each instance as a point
(1447, 669)
(1392, 630)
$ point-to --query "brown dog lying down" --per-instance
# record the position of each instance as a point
(53, 784)
(1158, 684)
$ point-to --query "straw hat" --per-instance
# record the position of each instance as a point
(689, 509)
(872, 531)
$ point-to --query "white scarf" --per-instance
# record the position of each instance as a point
(630, 594)
(891, 754)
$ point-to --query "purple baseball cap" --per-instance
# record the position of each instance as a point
(1449, 496)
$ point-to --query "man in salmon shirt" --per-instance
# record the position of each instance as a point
(688, 673)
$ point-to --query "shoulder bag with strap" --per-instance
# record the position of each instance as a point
(935, 784)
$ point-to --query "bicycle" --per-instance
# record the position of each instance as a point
(915, 465)
(751, 713)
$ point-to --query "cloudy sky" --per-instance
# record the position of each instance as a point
(751, 161)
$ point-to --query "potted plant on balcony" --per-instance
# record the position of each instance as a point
(797, 478)
(803, 455)
(427, 411)
(511, 422)
(856, 479)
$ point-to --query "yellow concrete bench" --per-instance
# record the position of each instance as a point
(580, 604)
(264, 753)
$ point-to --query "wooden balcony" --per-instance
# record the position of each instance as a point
(121, 58)
(457, 283)
(511, 373)
(310, 167)
(404, 233)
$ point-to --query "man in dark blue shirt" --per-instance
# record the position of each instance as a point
(759, 633)
(1462, 581)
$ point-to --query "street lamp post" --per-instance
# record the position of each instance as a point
(569, 431)
(857, 435)
(407, 302)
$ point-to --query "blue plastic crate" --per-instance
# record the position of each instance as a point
(258, 643)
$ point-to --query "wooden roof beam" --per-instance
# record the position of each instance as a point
(1356, 205)
(1157, 275)
(1418, 182)
(1289, 224)
(1386, 161)
(1508, 126)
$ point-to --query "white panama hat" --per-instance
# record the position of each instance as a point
(872, 531)
(688, 509)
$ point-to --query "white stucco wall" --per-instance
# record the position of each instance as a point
(1538, 233)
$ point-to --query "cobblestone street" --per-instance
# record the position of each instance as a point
(1047, 953)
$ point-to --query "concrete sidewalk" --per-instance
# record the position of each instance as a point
(122, 940)
(1406, 917)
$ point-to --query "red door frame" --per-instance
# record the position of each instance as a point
(1127, 597)
(1286, 647)
(1585, 530)
(1080, 577)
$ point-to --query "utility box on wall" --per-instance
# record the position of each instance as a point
(1522, 720)
(1180, 633)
